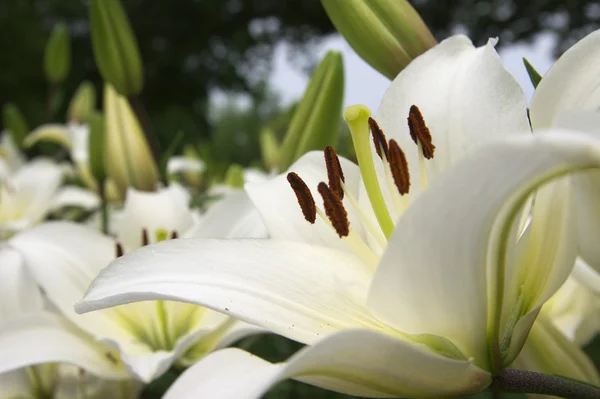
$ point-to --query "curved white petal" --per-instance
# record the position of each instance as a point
(27, 195)
(587, 276)
(237, 331)
(379, 366)
(444, 258)
(277, 204)
(179, 164)
(58, 134)
(297, 290)
(80, 142)
(64, 258)
(235, 216)
(466, 98)
(548, 351)
(160, 212)
(571, 84)
(75, 196)
(40, 338)
(19, 293)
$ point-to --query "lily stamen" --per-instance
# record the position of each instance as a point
(420, 134)
(174, 235)
(119, 250)
(145, 238)
(335, 174)
(399, 167)
(304, 197)
(335, 211)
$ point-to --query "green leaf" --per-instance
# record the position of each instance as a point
(534, 75)
(14, 121)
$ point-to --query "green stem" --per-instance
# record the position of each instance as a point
(531, 382)
(103, 206)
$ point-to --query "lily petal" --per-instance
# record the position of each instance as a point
(277, 204)
(166, 210)
(448, 249)
(19, 293)
(381, 366)
(297, 290)
(466, 98)
(587, 276)
(234, 216)
(75, 196)
(43, 337)
(571, 84)
(64, 258)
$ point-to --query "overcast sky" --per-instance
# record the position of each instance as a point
(366, 86)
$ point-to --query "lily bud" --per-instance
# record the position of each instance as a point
(316, 121)
(234, 177)
(14, 121)
(96, 144)
(82, 103)
(128, 158)
(115, 47)
(57, 55)
(387, 34)
(269, 148)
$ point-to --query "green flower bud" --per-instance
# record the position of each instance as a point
(14, 121)
(96, 144)
(57, 55)
(269, 148)
(234, 177)
(115, 47)
(128, 158)
(534, 75)
(387, 34)
(316, 121)
(82, 103)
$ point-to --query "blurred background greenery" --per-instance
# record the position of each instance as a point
(192, 48)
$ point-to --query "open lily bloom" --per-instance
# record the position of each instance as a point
(41, 354)
(569, 88)
(28, 195)
(11, 158)
(149, 336)
(415, 278)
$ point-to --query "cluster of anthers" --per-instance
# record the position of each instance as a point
(397, 176)
(160, 234)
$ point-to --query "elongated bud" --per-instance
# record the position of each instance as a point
(269, 148)
(14, 121)
(115, 47)
(82, 103)
(96, 144)
(128, 158)
(234, 177)
(57, 55)
(316, 121)
(387, 34)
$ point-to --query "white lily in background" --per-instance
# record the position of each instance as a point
(414, 284)
(11, 158)
(74, 137)
(150, 336)
(27, 196)
(571, 87)
(41, 354)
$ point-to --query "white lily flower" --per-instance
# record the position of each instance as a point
(149, 336)
(571, 87)
(41, 354)
(11, 158)
(414, 284)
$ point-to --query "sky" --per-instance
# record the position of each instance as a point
(366, 86)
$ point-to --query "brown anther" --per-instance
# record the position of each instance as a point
(335, 175)
(420, 132)
(174, 235)
(335, 211)
(399, 167)
(145, 239)
(119, 250)
(304, 197)
(378, 138)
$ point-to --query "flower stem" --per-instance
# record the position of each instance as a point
(520, 381)
(103, 206)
